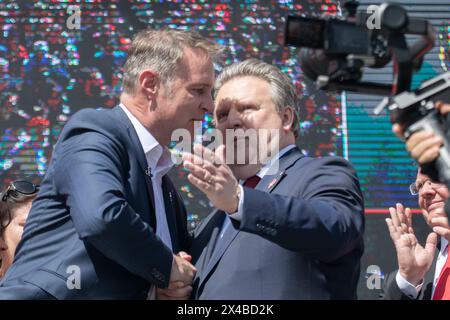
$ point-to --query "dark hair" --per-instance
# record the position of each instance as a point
(13, 201)
(4, 215)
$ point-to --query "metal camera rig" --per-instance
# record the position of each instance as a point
(335, 50)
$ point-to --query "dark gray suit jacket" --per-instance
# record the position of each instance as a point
(95, 214)
(300, 236)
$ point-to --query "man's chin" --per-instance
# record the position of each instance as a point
(437, 212)
(242, 166)
(194, 127)
(244, 171)
(237, 167)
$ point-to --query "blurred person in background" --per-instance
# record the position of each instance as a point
(15, 204)
(413, 281)
(423, 271)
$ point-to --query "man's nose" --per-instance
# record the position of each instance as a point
(427, 190)
(234, 119)
(208, 105)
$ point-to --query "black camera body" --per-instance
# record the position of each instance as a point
(335, 50)
(335, 36)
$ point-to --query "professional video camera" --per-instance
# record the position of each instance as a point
(335, 50)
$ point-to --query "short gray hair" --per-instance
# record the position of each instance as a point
(282, 89)
(161, 50)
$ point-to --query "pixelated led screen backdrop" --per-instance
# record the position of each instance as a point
(51, 67)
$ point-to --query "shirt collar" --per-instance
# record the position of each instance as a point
(265, 168)
(158, 158)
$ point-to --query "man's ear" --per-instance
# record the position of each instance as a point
(149, 82)
(287, 117)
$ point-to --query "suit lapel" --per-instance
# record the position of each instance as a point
(267, 184)
(205, 236)
(427, 289)
(169, 198)
(140, 156)
(214, 219)
(218, 246)
(215, 233)
(215, 224)
(270, 181)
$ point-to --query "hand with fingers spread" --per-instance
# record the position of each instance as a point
(177, 290)
(424, 146)
(414, 260)
(209, 172)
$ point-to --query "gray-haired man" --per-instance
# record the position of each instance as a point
(293, 232)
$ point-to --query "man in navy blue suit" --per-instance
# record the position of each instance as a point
(286, 226)
(107, 220)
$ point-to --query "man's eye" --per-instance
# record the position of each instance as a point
(419, 186)
(221, 116)
(199, 91)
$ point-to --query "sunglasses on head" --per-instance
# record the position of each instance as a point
(20, 186)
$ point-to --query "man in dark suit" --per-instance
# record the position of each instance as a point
(293, 229)
(107, 219)
(423, 272)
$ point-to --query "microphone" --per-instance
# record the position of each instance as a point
(148, 172)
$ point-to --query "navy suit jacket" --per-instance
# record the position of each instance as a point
(301, 236)
(95, 214)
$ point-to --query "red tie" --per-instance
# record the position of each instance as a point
(442, 291)
(252, 182)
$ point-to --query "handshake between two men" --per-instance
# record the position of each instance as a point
(209, 173)
(286, 227)
(280, 216)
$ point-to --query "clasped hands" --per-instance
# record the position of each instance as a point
(209, 173)
(181, 276)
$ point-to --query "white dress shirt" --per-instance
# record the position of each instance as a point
(159, 161)
(413, 291)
